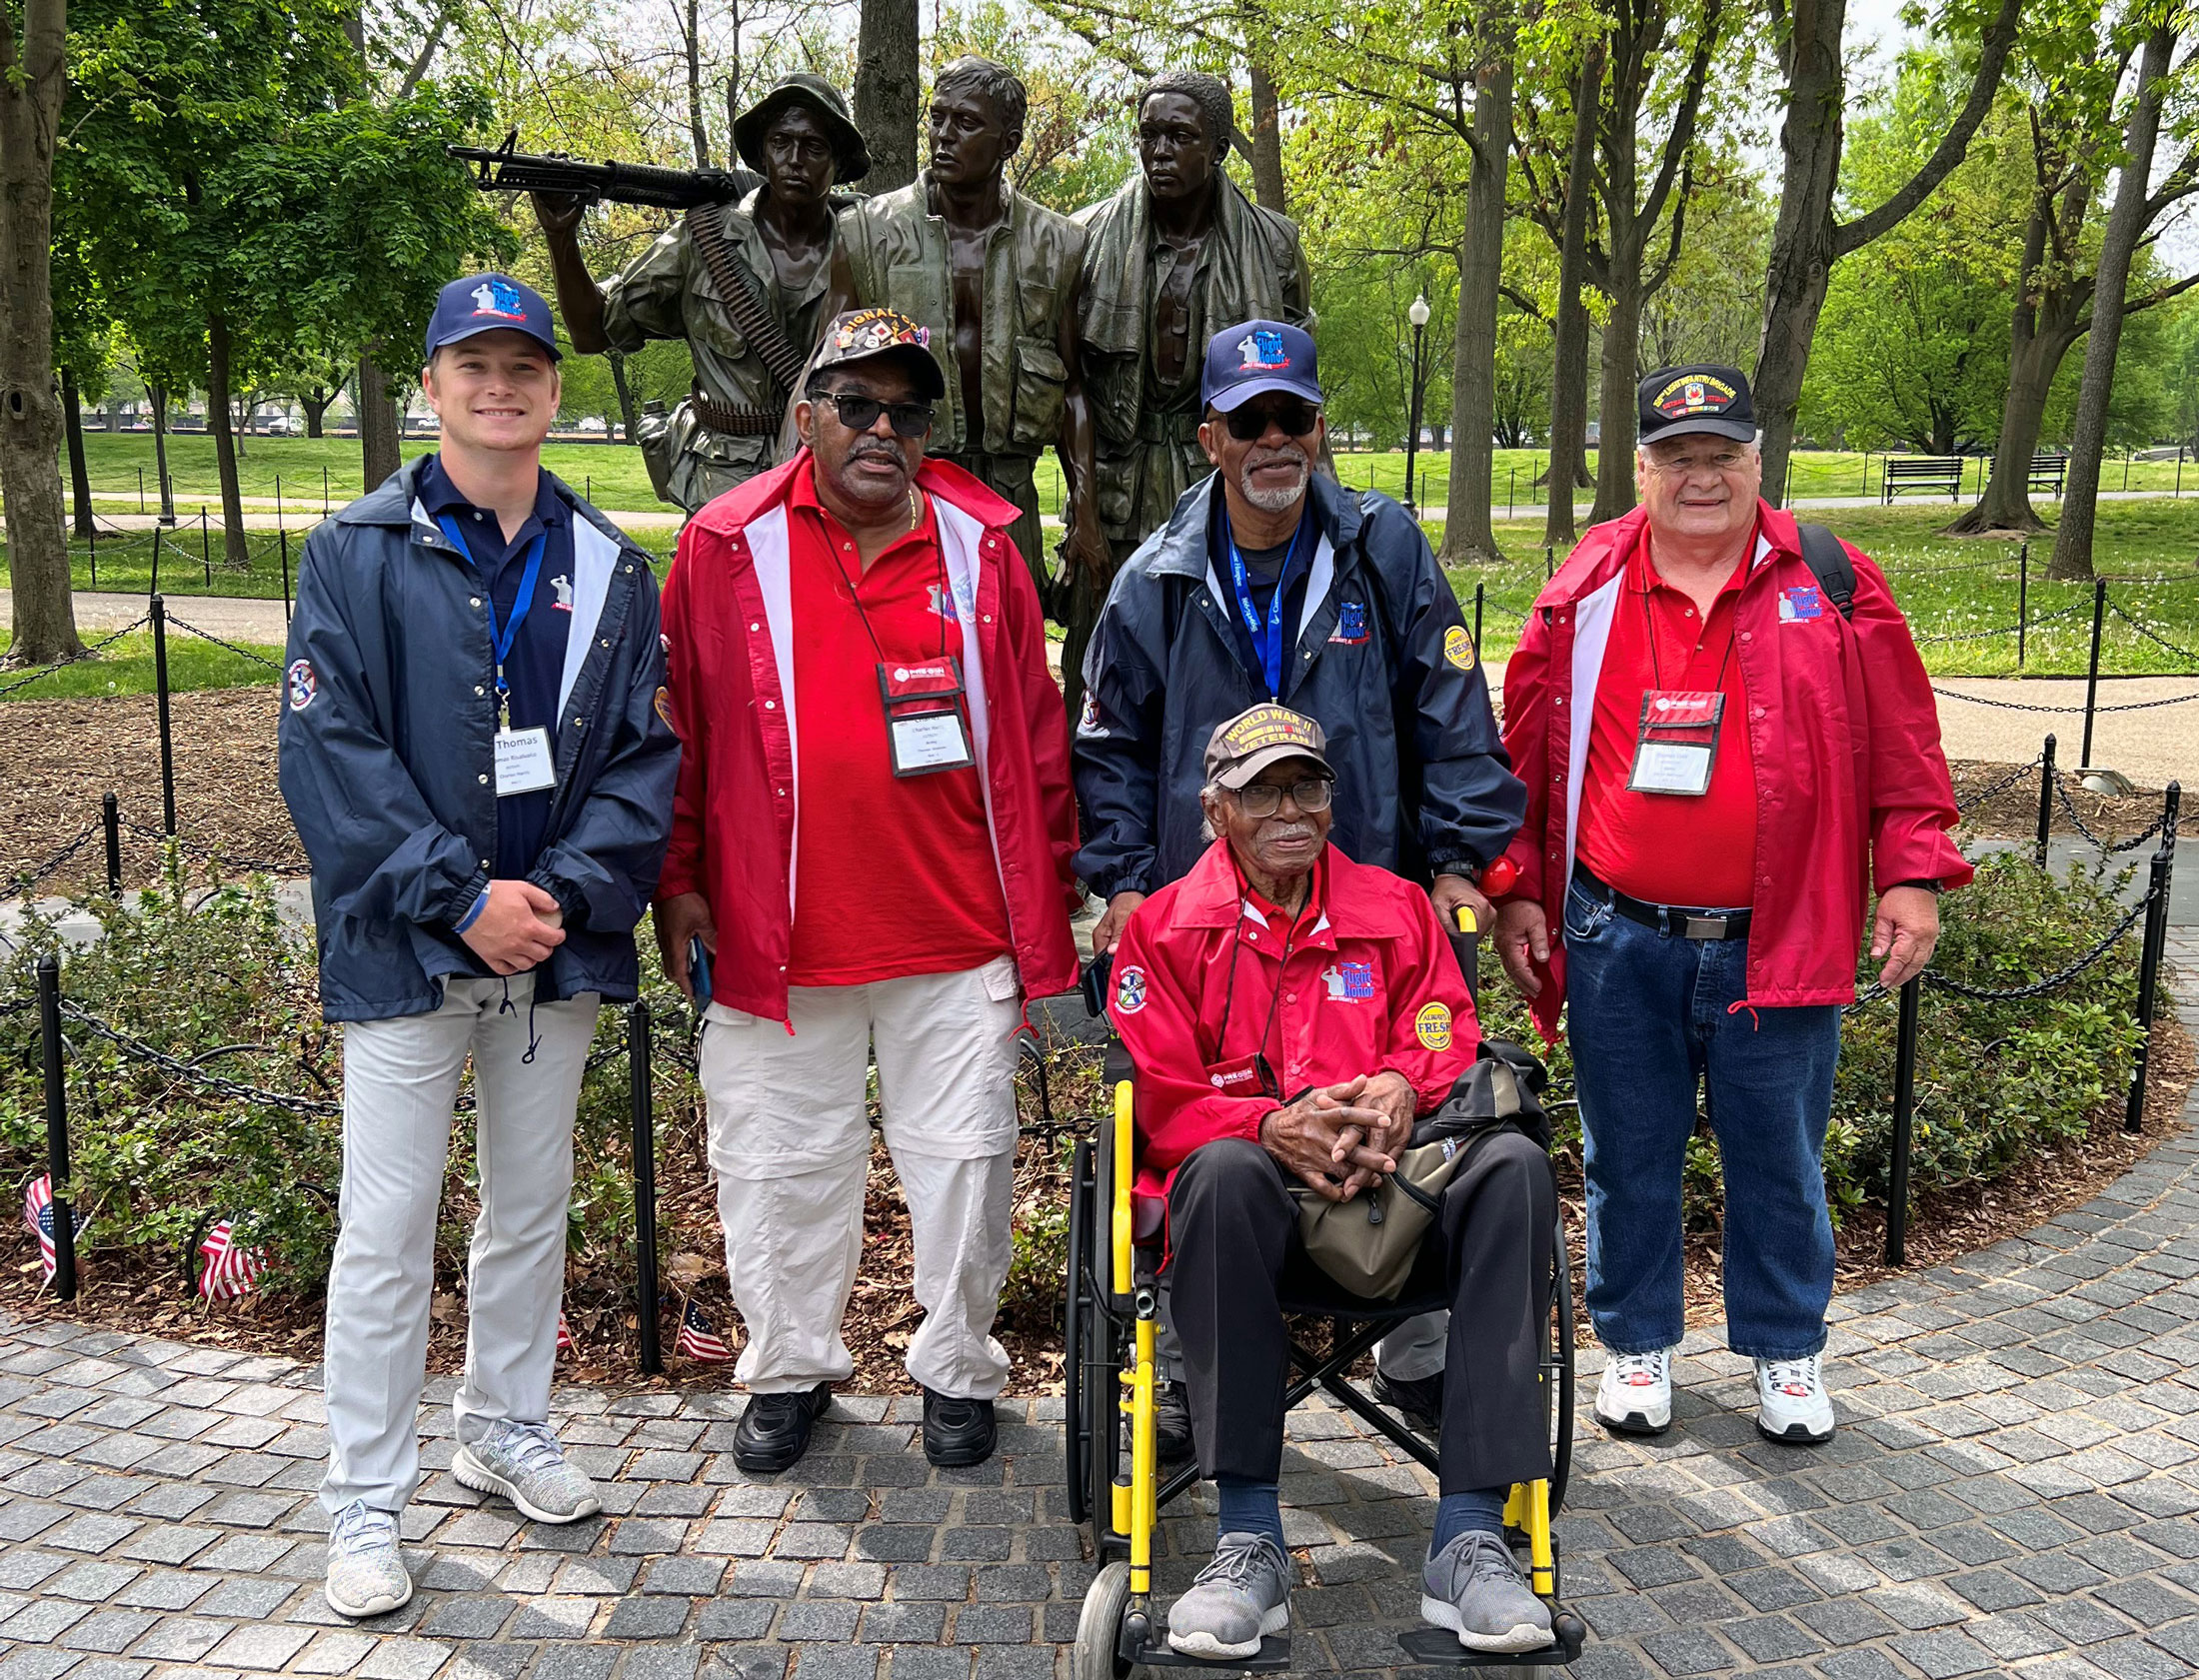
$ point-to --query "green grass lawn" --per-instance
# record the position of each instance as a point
(612, 475)
(125, 666)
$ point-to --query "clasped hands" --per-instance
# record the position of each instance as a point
(1340, 1139)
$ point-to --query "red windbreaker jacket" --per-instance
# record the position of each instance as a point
(1372, 986)
(729, 643)
(1853, 791)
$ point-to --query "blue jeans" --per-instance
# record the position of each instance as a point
(1653, 1019)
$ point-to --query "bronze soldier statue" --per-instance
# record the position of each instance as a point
(994, 276)
(744, 284)
(1175, 255)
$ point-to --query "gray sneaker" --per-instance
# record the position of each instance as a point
(1474, 1587)
(365, 1577)
(524, 1462)
(1243, 1595)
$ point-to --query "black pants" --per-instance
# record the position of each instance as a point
(1235, 1253)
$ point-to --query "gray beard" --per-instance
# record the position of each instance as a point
(1273, 501)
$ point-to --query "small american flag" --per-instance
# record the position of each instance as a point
(565, 1333)
(228, 1268)
(38, 1215)
(698, 1340)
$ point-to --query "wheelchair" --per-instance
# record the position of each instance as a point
(1111, 1325)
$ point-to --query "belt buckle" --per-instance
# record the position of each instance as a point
(1705, 926)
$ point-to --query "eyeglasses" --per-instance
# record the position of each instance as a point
(1265, 798)
(1726, 461)
(1249, 423)
(859, 414)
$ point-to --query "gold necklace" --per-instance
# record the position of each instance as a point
(915, 509)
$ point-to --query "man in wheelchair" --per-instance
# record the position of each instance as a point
(1289, 1013)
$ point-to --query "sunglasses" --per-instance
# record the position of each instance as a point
(859, 414)
(1249, 423)
(1265, 798)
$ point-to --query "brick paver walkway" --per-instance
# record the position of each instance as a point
(2013, 1493)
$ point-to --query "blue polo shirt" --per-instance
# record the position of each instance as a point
(536, 666)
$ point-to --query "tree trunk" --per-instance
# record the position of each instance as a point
(1617, 394)
(2006, 505)
(2125, 222)
(234, 552)
(886, 92)
(32, 78)
(697, 131)
(315, 401)
(1268, 185)
(1468, 535)
(378, 444)
(80, 478)
(159, 396)
(1569, 339)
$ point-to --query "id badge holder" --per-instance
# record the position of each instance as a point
(524, 765)
(1677, 743)
(925, 728)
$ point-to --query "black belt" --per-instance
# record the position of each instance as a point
(1678, 921)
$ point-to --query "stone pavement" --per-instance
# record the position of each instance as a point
(2013, 1492)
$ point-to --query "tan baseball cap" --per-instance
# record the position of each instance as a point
(1260, 736)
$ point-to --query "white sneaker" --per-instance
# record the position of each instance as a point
(365, 1577)
(1635, 1395)
(1791, 1403)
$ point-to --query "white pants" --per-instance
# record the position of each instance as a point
(790, 1139)
(400, 1080)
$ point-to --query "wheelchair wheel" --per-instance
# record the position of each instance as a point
(1099, 1626)
(1560, 1349)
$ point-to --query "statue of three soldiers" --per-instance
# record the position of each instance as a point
(1083, 332)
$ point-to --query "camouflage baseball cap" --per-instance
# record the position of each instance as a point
(862, 335)
(1260, 736)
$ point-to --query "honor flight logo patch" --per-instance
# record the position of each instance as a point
(1432, 1026)
(499, 296)
(1129, 990)
(299, 683)
(1263, 351)
(1802, 601)
(1458, 647)
(1351, 623)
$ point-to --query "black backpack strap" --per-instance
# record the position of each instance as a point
(1829, 564)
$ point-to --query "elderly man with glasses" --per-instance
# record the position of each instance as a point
(1729, 743)
(1289, 1012)
(1273, 583)
(871, 852)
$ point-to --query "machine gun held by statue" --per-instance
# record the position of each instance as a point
(509, 170)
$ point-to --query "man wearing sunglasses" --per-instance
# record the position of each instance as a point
(1289, 1012)
(1271, 582)
(871, 842)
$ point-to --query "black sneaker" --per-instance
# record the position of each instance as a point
(958, 1433)
(1419, 1398)
(774, 1432)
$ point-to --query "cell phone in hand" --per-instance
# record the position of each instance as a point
(699, 972)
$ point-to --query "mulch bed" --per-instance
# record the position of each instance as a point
(2013, 811)
(60, 756)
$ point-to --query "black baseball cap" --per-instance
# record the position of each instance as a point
(490, 303)
(868, 335)
(1697, 397)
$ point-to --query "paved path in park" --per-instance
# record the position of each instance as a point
(2013, 1492)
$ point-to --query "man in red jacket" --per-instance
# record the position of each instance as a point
(1723, 760)
(1289, 1012)
(871, 838)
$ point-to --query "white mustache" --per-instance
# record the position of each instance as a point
(1297, 831)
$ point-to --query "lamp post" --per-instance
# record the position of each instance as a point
(1418, 313)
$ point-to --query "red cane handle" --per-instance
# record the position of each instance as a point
(1499, 878)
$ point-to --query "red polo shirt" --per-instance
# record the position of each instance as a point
(894, 876)
(1670, 848)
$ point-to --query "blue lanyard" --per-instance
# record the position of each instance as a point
(502, 639)
(1268, 640)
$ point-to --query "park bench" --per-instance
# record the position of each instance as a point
(1921, 472)
(2049, 470)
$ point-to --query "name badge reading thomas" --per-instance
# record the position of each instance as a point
(925, 729)
(522, 762)
(1677, 743)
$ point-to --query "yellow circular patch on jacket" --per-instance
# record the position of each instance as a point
(1458, 647)
(664, 705)
(1432, 1026)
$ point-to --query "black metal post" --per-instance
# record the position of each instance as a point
(1478, 589)
(167, 739)
(57, 1127)
(2158, 882)
(2092, 670)
(206, 550)
(2046, 796)
(1905, 1118)
(645, 1180)
(324, 493)
(152, 588)
(110, 818)
(1511, 489)
(284, 537)
(94, 540)
(2023, 598)
(141, 490)
(1549, 560)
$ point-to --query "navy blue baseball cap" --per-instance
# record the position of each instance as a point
(488, 303)
(1243, 361)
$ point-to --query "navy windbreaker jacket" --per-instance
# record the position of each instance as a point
(387, 756)
(1383, 662)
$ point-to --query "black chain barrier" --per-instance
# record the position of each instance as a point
(251, 865)
(228, 647)
(2111, 847)
(46, 670)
